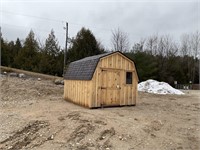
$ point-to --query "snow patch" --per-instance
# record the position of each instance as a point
(153, 86)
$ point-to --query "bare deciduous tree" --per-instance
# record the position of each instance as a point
(152, 44)
(195, 44)
(139, 46)
(119, 41)
(166, 46)
(190, 44)
(195, 51)
(184, 50)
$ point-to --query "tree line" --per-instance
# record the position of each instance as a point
(48, 58)
(160, 58)
(29, 55)
(156, 57)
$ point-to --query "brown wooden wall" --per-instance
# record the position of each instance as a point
(78, 91)
(91, 93)
(116, 61)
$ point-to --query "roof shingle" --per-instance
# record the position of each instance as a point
(83, 69)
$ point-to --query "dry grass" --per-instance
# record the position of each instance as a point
(32, 74)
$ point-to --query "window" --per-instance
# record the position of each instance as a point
(128, 77)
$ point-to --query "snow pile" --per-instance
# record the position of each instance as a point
(153, 86)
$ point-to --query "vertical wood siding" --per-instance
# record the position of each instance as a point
(128, 93)
(89, 93)
(78, 91)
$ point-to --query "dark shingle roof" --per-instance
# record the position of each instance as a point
(83, 69)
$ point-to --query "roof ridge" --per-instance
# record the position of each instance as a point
(93, 57)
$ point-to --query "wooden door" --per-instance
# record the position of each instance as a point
(110, 87)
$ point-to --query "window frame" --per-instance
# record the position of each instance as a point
(129, 84)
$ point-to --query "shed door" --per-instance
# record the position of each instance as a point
(110, 87)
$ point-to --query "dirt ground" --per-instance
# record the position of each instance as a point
(34, 115)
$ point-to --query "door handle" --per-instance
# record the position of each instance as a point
(102, 88)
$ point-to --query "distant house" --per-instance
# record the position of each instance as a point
(108, 79)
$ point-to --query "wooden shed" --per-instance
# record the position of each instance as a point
(108, 79)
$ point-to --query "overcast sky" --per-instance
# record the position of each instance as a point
(139, 19)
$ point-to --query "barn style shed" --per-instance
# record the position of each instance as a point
(108, 79)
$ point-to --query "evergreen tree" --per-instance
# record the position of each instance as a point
(83, 45)
(17, 48)
(51, 45)
(4, 53)
(59, 63)
(50, 56)
(27, 58)
(18, 45)
(11, 53)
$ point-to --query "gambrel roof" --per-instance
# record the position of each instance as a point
(84, 69)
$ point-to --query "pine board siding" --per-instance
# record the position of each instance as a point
(105, 84)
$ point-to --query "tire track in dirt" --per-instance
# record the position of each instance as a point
(103, 141)
(79, 134)
(85, 128)
(24, 137)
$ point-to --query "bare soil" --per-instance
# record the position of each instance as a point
(34, 115)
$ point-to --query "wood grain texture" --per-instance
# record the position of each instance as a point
(108, 86)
